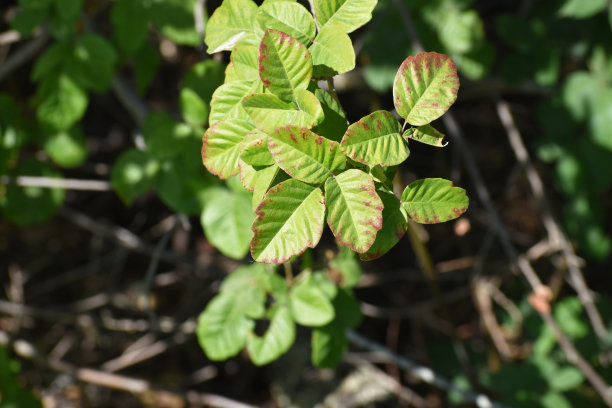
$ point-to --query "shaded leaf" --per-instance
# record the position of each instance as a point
(334, 122)
(354, 210)
(67, 148)
(289, 220)
(130, 20)
(309, 305)
(328, 345)
(133, 174)
(62, 104)
(265, 179)
(175, 20)
(92, 64)
(279, 337)
(434, 200)
(425, 87)
(164, 137)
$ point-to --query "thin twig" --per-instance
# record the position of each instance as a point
(9, 37)
(424, 374)
(552, 225)
(53, 182)
(23, 54)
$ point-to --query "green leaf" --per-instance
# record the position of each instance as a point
(255, 149)
(289, 17)
(52, 61)
(146, 62)
(348, 15)
(395, 223)
(130, 20)
(174, 18)
(578, 91)
(434, 200)
(229, 23)
(62, 102)
(279, 337)
(28, 19)
(354, 210)
(265, 179)
(332, 52)
(164, 137)
(269, 112)
(199, 85)
(133, 174)
(245, 59)
(227, 220)
(328, 345)
(223, 326)
(334, 123)
(247, 175)
(307, 101)
(31, 205)
(565, 379)
(569, 313)
(68, 10)
(582, 8)
(425, 87)
(67, 148)
(426, 134)
(285, 65)
(553, 400)
(600, 121)
(347, 266)
(221, 146)
(289, 220)
(375, 139)
(309, 305)
(92, 64)
(226, 101)
(348, 311)
(305, 155)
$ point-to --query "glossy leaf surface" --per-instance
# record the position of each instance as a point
(434, 200)
(348, 15)
(229, 23)
(289, 17)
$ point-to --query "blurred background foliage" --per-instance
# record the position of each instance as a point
(120, 91)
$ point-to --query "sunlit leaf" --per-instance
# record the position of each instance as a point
(332, 52)
(229, 23)
(289, 220)
(221, 146)
(375, 139)
(434, 200)
(354, 210)
(226, 101)
(426, 134)
(268, 112)
(305, 155)
(289, 17)
(348, 15)
(425, 87)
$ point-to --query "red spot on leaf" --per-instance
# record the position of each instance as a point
(319, 140)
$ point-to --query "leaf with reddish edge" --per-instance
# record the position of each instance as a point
(425, 87)
(434, 200)
(268, 112)
(395, 223)
(426, 134)
(221, 146)
(354, 210)
(289, 220)
(247, 175)
(285, 65)
(255, 149)
(304, 155)
(375, 139)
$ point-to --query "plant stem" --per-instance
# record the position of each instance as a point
(288, 273)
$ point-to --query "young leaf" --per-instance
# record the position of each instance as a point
(395, 223)
(425, 87)
(305, 155)
(67, 148)
(221, 146)
(334, 122)
(332, 52)
(226, 220)
(279, 337)
(289, 17)
(348, 15)
(226, 100)
(133, 174)
(375, 139)
(199, 84)
(309, 305)
(63, 102)
(265, 179)
(269, 112)
(229, 23)
(285, 65)
(255, 150)
(289, 220)
(245, 59)
(434, 200)
(426, 134)
(354, 210)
